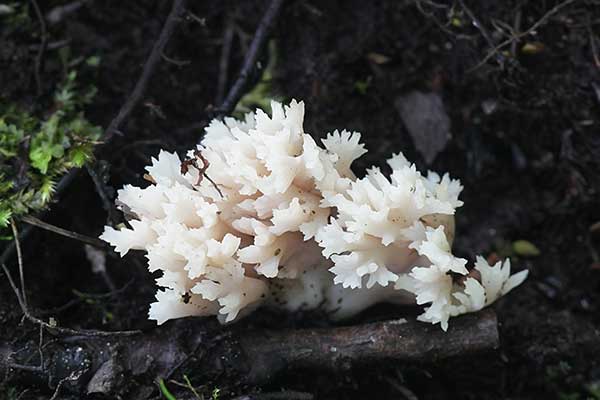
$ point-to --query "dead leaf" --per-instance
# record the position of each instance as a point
(426, 120)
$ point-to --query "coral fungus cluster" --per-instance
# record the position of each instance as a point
(261, 214)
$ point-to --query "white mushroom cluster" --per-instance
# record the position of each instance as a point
(261, 214)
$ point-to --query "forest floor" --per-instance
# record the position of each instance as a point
(521, 89)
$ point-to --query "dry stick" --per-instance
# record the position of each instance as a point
(255, 356)
(31, 220)
(50, 327)
(108, 205)
(11, 247)
(39, 59)
(63, 232)
(64, 182)
(179, 63)
(516, 28)
(157, 51)
(19, 260)
(34, 368)
(224, 62)
(518, 36)
(235, 93)
(482, 29)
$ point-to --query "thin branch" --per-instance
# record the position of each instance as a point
(52, 327)
(63, 183)
(516, 28)
(51, 45)
(15, 232)
(260, 37)
(436, 21)
(83, 297)
(107, 203)
(72, 377)
(179, 63)
(39, 59)
(61, 231)
(12, 246)
(479, 25)
(224, 62)
(520, 35)
(155, 56)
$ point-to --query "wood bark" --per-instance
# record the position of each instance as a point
(110, 364)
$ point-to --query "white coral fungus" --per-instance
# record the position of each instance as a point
(259, 214)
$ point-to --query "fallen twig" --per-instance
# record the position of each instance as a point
(260, 37)
(520, 35)
(107, 203)
(39, 59)
(53, 327)
(63, 232)
(157, 53)
(15, 232)
(252, 357)
(479, 25)
(224, 61)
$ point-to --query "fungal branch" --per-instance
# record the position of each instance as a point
(284, 222)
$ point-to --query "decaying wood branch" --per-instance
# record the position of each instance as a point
(108, 365)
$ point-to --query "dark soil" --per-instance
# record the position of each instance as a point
(525, 143)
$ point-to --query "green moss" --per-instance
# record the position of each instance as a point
(36, 152)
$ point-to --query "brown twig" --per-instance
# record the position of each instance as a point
(134, 98)
(39, 59)
(260, 37)
(255, 356)
(61, 231)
